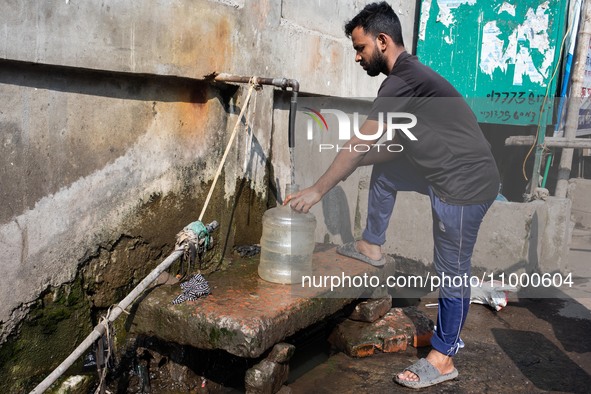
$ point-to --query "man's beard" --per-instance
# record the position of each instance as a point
(376, 64)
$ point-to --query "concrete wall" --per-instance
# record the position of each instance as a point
(297, 39)
(105, 115)
(109, 140)
(514, 237)
(580, 193)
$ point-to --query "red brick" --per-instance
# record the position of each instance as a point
(394, 332)
(371, 310)
(362, 350)
(395, 344)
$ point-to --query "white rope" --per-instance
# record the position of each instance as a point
(107, 324)
(219, 171)
(249, 127)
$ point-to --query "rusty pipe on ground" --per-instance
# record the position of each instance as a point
(282, 83)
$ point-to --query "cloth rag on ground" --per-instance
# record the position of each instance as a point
(194, 288)
(248, 250)
(492, 293)
(195, 239)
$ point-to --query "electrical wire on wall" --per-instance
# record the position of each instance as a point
(575, 16)
(542, 109)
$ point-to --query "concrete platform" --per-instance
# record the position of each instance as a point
(246, 315)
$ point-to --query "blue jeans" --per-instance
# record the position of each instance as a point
(455, 228)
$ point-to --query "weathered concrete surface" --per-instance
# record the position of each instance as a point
(266, 377)
(514, 237)
(244, 314)
(579, 191)
(81, 179)
(103, 114)
(196, 38)
(281, 353)
(331, 20)
(371, 310)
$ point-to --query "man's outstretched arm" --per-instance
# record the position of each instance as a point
(342, 166)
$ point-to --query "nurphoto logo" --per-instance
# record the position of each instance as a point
(392, 121)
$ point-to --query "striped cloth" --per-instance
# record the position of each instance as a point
(194, 288)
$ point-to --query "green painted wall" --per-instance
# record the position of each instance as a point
(501, 55)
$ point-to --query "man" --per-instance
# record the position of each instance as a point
(450, 161)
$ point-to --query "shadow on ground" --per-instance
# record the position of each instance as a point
(543, 363)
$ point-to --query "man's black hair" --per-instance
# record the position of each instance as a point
(377, 18)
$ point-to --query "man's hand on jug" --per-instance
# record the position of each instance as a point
(303, 200)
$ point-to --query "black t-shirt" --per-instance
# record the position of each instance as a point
(450, 150)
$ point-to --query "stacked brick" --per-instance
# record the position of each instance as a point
(375, 326)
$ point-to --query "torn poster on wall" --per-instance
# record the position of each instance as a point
(501, 54)
(527, 38)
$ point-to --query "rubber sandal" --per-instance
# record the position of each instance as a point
(350, 250)
(427, 373)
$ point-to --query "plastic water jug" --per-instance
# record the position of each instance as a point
(287, 243)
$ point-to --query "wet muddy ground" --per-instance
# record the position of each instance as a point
(530, 346)
(533, 345)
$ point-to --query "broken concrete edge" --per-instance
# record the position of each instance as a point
(423, 325)
(270, 375)
(266, 377)
(256, 341)
(281, 353)
(371, 310)
(248, 338)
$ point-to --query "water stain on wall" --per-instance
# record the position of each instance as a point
(65, 124)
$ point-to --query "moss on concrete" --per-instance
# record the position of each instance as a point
(56, 324)
(62, 317)
(219, 335)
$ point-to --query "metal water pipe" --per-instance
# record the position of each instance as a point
(282, 83)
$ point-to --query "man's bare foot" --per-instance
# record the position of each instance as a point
(370, 250)
(443, 363)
